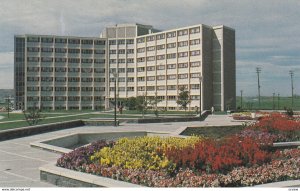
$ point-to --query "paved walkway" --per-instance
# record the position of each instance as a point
(19, 162)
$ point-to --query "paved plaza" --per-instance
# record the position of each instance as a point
(19, 162)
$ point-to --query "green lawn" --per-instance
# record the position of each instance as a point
(267, 102)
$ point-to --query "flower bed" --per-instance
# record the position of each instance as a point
(244, 159)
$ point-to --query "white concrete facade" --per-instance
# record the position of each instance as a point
(147, 62)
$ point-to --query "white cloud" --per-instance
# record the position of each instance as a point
(6, 70)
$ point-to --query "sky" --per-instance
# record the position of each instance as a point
(267, 33)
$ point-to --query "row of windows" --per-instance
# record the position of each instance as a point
(120, 61)
(64, 50)
(169, 34)
(63, 40)
(64, 98)
(64, 79)
(64, 60)
(58, 69)
(121, 70)
(168, 87)
(168, 77)
(169, 45)
(61, 89)
(169, 66)
(169, 56)
(121, 41)
(121, 51)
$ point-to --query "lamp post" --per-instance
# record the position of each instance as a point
(115, 115)
(292, 84)
(278, 101)
(273, 101)
(241, 99)
(200, 83)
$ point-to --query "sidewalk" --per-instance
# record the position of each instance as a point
(19, 162)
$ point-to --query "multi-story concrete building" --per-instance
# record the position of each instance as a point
(64, 72)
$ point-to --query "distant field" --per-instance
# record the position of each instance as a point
(267, 102)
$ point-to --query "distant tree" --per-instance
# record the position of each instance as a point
(153, 103)
(229, 103)
(130, 103)
(142, 104)
(33, 115)
(8, 106)
(183, 98)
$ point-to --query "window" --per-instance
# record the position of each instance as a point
(160, 57)
(150, 68)
(141, 69)
(33, 49)
(86, 41)
(60, 89)
(183, 76)
(182, 54)
(141, 40)
(33, 39)
(160, 67)
(171, 98)
(194, 75)
(33, 59)
(60, 50)
(73, 60)
(171, 34)
(122, 41)
(100, 42)
(98, 89)
(130, 70)
(112, 79)
(151, 48)
(160, 47)
(33, 79)
(112, 61)
(142, 59)
(140, 50)
(130, 89)
(86, 60)
(171, 77)
(171, 56)
(161, 77)
(86, 70)
(130, 60)
(86, 51)
(47, 40)
(150, 38)
(195, 30)
(99, 61)
(112, 42)
(121, 89)
(195, 86)
(63, 60)
(46, 69)
(161, 87)
(171, 45)
(87, 89)
(74, 51)
(151, 58)
(141, 88)
(141, 79)
(150, 88)
(183, 65)
(112, 89)
(47, 49)
(121, 51)
(130, 51)
(60, 40)
(185, 87)
(195, 97)
(47, 59)
(121, 70)
(99, 70)
(150, 78)
(171, 87)
(99, 51)
(121, 79)
(195, 64)
(112, 51)
(73, 69)
(73, 89)
(130, 41)
(130, 79)
(183, 43)
(47, 79)
(195, 53)
(74, 41)
(33, 69)
(86, 79)
(47, 89)
(194, 42)
(171, 66)
(183, 32)
(160, 36)
(122, 60)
